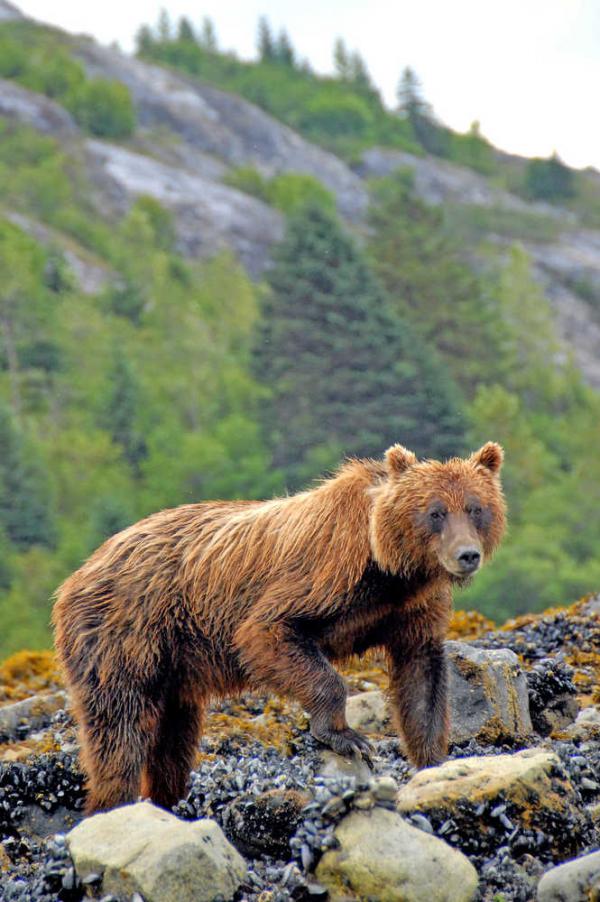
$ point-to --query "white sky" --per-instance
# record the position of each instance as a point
(528, 70)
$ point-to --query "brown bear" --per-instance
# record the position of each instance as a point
(207, 599)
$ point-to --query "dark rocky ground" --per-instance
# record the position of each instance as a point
(259, 776)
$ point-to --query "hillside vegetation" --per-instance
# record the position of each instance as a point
(177, 377)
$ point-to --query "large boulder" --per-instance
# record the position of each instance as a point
(489, 699)
(382, 857)
(489, 796)
(142, 849)
(528, 779)
(574, 881)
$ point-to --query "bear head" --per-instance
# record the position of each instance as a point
(437, 517)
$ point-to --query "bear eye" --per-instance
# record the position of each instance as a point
(437, 515)
(474, 511)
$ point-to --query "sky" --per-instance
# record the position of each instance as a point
(527, 70)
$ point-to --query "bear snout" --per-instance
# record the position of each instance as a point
(468, 559)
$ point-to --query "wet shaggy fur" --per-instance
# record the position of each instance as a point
(206, 599)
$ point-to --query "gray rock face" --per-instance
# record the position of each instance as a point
(488, 694)
(143, 849)
(8, 12)
(223, 126)
(574, 881)
(34, 110)
(382, 857)
(337, 766)
(438, 181)
(35, 712)
(209, 217)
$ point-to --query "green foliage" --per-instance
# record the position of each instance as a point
(346, 375)
(25, 500)
(470, 222)
(344, 114)
(549, 179)
(422, 268)
(35, 58)
(103, 108)
(287, 191)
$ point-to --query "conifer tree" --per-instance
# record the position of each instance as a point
(345, 373)
(283, 50)
(341, 60)
(208, 35)
(121, 413)
(266, 44)
(185, 32)
(25, 504)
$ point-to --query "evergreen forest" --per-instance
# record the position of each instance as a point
(183, 377)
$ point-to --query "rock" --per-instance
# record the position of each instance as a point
(384, 789)
(574, 881)
(522, 777)
(221, 125)
(488, 694)
(8, 12)
(209, 217)
(141, 848)
(367, 712)
(333, 765)
(553, 703)
(30, 714)
(35, 110)
(382, 857)
(264, 824)
(587, 724)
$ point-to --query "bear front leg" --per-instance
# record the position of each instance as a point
(419, 699)
(281, 658)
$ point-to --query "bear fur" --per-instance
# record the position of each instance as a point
(205, 600)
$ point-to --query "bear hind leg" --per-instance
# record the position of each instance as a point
(114, 746)
(171, 755)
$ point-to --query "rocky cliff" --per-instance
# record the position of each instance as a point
(190, 135)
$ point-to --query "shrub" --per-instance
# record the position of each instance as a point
(103, 107)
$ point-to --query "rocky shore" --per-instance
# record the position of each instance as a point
(514, 814)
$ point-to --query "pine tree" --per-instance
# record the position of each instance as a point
(208, 36)
(25, 502)
(426, 278)
(341, 60)
(143, 40)
(185, 32)
(345, 373)
(411, 104)
(283, 50)
(163, 29)
(266, 44)
(121, 412)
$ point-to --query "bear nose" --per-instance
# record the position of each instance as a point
(469, 559)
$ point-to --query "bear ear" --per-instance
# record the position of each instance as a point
(398, 459)
(490, 457)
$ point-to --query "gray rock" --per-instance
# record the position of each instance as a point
(382, 857)
(141, 848)
(35, 110)
(574, 881)
(368, 712)
(333, 765)
(209, 217)
(34, 713)
(489, 700)
(9, 13)
(224, 126)
(264, 824)
(91, 277)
